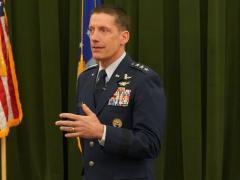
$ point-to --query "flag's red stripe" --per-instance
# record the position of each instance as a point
(3, 99)
(9, 75)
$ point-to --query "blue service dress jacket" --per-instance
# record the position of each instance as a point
(132, 106)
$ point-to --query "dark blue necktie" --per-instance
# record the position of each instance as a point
(99, 88)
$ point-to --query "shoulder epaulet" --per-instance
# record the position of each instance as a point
(90, 67)
(140, 67)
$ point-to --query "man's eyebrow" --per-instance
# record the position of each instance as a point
(105, 27)
(98, 26)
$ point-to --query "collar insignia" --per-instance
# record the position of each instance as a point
(126, 77)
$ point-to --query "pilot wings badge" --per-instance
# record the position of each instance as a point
(123, 83)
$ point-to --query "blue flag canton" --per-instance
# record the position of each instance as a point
(1, 8)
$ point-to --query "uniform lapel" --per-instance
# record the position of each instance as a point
(113, 83)
(87, 96)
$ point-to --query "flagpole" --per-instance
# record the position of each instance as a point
(81, 62)
(3, 158)
(81, 24)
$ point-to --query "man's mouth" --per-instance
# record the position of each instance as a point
(97, 47)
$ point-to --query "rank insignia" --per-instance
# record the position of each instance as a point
(117, 123)
(120, 97)
(123, 83)
(140, 67)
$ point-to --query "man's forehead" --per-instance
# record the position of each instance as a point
(102, 18)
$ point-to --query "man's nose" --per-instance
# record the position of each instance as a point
(94, 36)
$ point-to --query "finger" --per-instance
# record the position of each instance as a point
(71, 135)
(65, 123)
(69, 116)
(68, 129)
(87, 110)
(58, 123)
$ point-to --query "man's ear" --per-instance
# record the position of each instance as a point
(125, 35)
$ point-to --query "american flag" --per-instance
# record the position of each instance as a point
(10, 107)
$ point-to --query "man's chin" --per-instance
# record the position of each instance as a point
(97, 57)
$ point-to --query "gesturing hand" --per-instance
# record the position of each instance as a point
(87, 126)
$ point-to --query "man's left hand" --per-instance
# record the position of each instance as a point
(87, 126)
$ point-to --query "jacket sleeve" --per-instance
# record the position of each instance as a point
(148, 121)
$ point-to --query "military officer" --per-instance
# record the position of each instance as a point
(121, 106)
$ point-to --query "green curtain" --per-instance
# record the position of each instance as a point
(34, 148)
(193, 45)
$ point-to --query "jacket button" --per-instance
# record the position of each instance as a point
(91, 143)
(91, 163)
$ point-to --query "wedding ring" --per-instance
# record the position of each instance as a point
(73, 129)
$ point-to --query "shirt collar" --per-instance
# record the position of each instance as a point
(112, 67)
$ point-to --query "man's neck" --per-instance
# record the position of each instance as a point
(112, 67)
(105, 63)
